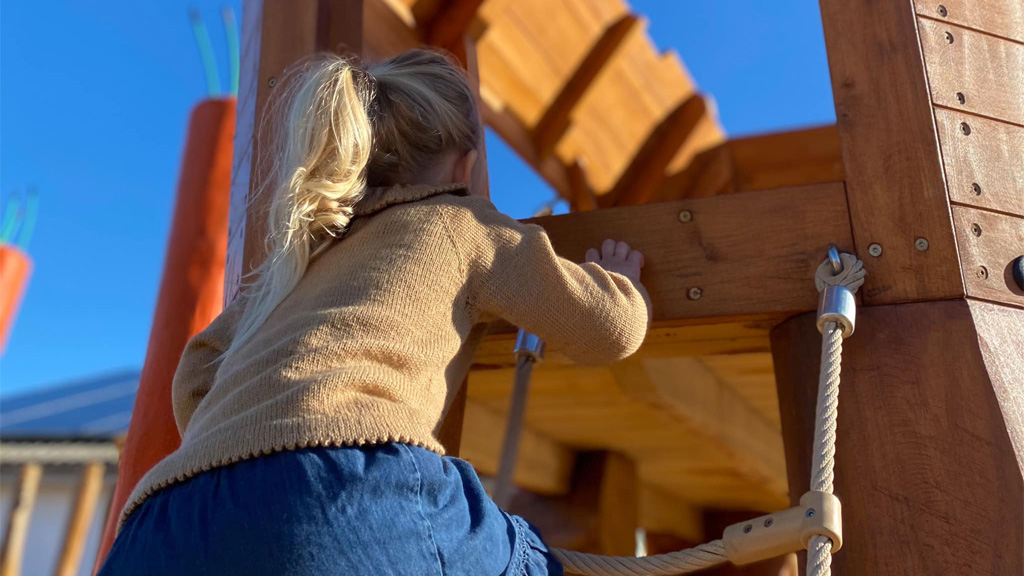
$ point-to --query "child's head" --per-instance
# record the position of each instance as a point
(340, 128)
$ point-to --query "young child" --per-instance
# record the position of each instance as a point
(309, 409)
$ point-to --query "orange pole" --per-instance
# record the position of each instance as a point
(15, 268)
(191, 294)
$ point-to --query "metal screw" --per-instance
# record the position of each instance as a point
(961, 98)
(921, 244)
(685, 216)
(982, 272)
(965, 128)
(977, 189)
(875, 250)
(695, 293)
(810, 513)
(949, 37)
(768, 522)
(748, 528)
(942, 11)
(976, 229)
(272, 82)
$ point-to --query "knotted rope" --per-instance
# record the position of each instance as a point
(819, 548)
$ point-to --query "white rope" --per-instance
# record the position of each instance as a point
(681, 562)
(819, 549)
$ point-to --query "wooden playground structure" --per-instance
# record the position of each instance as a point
(711, 422)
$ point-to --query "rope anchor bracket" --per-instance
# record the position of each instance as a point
(772, 535)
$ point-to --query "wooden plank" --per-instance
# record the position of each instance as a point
(981, 70)
(618, 504)
(582, 195)
(16, 531)
(82, 512)
(890, 151)
(983, 161)
(989, 243)
(275, 34)
(999, 17)
(792, 158)
(925, 465)
(543, 466)
(746, 254)
(689, 391)
(555, 120)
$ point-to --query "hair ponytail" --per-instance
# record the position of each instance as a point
(339, 127)
(322, 147)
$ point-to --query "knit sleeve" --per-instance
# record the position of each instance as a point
(589, 314)
(199, 363)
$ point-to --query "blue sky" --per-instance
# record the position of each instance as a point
(94, 98)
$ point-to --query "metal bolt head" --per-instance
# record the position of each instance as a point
(965, 128)
(810, 513)
(961, 98)
(875, 250)
(695, 293)
(942, 11)
(949, 37)
(272, 82)
(982, 273)
(685, 216)
(768, 522)
(748, 528)
(921, 244)
(976, 229)
(977, 189)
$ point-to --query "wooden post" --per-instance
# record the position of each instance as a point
(930, 443)
(18, 521)
(599, 514)
(81, 517)
(275, 35)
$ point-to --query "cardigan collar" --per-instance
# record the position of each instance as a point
(376, 199)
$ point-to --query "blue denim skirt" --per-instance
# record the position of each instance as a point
(391, 509)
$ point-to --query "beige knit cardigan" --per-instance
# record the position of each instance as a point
(380, 332)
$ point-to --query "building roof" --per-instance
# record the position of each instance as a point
(93, 408)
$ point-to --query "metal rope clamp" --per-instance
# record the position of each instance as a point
(529, 345)
(791, 530)
(836, 303)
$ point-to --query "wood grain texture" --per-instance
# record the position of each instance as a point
(984, 163)
(989, 243)
(748, 254)
(984, 69)
(1000, 17)
(924, 466)
(891, 159)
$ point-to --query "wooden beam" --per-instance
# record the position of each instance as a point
(693, 394)
(543, 466)
(556, 119)
(891, 157)
(930, 441)
(275, 34)
(581, 197)
(737, 256)
(661, 513)
(82, 512)
(18, 521)
(646, 171)
(451, 23)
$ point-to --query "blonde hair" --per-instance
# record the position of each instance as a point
(340, 128)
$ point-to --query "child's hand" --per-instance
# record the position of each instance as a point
(618, 257)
